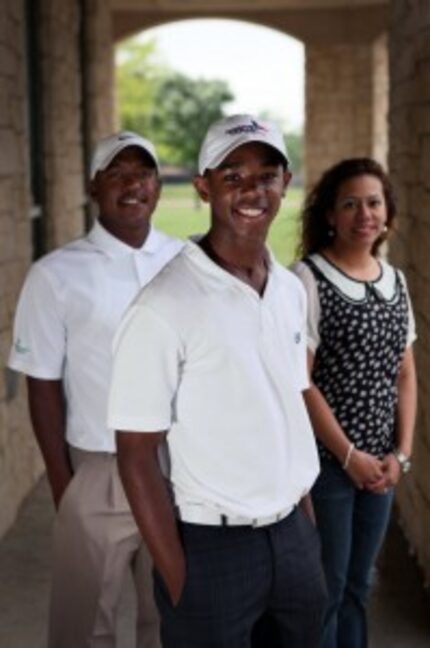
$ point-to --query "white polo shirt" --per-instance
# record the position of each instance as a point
(202, 355)
(70, 306)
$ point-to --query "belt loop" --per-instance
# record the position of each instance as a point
(224, 520)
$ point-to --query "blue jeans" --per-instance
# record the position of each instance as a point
(352, 525)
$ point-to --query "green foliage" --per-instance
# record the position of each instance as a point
(172, 109)
(294, 140)
(138, 76)
(184, 108)
(295, 151)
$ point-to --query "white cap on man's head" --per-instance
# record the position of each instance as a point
(225, 135)
(108, 147)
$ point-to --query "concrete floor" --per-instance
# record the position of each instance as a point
(399, 611)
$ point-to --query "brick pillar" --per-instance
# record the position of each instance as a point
(346, 104)
(99, 73)
(409, 127)
(62, 58)
(98, 80)
(59, 24)
(77, 73)
(20, 462)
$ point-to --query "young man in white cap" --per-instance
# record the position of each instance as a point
(69, 308)
(222, 329)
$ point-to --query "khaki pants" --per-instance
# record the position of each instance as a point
(95, 542)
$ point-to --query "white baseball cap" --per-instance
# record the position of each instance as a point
(108, 147)
(225, 135)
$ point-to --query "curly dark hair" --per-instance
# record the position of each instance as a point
(315, 233)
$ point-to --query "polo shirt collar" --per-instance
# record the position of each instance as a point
(114, 247)
(221, 276)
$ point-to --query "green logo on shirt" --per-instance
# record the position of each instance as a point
(20, 348)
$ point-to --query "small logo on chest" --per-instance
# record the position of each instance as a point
(20, 348)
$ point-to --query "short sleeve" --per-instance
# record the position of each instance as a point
(39, 332)
(304, 273)
(145, 373)
(412, 334)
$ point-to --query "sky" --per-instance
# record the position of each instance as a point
(263, 67)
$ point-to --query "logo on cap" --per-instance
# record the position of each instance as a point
(253, 127)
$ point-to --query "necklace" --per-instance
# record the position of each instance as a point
(366, 269)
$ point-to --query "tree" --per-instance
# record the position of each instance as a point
(295, 152)
(184, 109)
(294, 141)
(138, 75)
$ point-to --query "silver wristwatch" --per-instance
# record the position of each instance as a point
(404, 461)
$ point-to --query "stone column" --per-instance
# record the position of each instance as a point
(59, 24)
(66, 54)
(409, 127)
(346, 104)
(20, 463)
(98, 81)
(99, 73)
(77, 73)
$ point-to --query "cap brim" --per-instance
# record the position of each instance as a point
(120, 147)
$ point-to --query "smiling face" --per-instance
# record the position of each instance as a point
(127, 192)
(360, 212)
(245, 192)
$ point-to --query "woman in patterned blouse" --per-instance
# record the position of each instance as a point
(362, 398)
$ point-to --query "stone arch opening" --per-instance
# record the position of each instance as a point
(264, 67)
(346, 77)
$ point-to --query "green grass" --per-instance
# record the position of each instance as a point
(180, 214)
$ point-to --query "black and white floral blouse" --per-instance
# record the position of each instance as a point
(358, 331)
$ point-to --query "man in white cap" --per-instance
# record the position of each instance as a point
(69, 308)
(222, 330)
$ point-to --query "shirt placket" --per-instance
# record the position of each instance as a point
(139, 269)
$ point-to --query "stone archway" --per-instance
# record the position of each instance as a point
(346, 65)
(346, 113)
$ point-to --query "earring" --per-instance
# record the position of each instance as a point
(385, 229)
(330, 232)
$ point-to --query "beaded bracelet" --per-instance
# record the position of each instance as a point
(348, 456)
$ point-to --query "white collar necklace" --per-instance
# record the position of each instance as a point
(384, 286)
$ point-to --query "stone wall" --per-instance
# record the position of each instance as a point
(380, 94)
(98, 78)
(410, 170)
(59, 25)
(71, 41)
(99, 71)
(19, 460)
(78, 90)
(346, 104)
